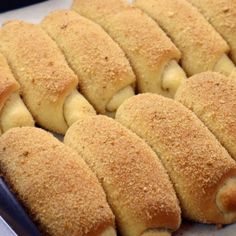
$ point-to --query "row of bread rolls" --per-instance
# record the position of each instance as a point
(105, 76)
(201, 46)
(137, 187)
(64, 197)
(138, 190)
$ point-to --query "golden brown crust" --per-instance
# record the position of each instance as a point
(137, 186)
(61, 193)
(221, 14)
(41, 70)
(8, 84)
(212, 97)
(196, 162)
(144, 43)
(97, 60)
(200, 44)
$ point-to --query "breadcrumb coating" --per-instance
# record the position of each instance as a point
(137, 186)
(55, 185)
(212, 97)
(201, 46)
(97, 60)
(41, 69)
(196, 162)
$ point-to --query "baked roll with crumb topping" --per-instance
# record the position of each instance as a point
(137, 186)
(212, 97)
(222, 15)
(202, 48)
(203, 173)
(151, 53)
(13, 112)
(55, 185)
(106, 77)
(48, 84)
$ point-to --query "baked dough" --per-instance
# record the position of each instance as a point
(60, 192)
(42, 71)
(202, 48)
(137, 186)
(201, 170)
(221, 14)
(13, 112)
(106, 78)
(151, 53)
(212, 97)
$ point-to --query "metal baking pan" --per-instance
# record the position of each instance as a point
(13, 4)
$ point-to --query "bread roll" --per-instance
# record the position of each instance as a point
(45, 78)
(136, 184)
(201, 170)
(55, 185)
(13, 112)
(222, 15)
(151, 53)
(212, 97)
(98, 61)
(202, 48)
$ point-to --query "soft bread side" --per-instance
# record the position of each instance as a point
(138, 188)
(54, 184)
(197, 164)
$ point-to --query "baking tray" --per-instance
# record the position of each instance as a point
(34, 14)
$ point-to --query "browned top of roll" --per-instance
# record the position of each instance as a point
(8, 83)
(200, 44)
(144, 42)
(62, 195)
(146, 38)
(194, 159)
(212, 97)
(33, 54)
(99, 8)
(137, 186)
(98, 61)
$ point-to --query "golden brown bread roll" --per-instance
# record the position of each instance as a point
(98, 61)
(202, 48)
(48, 84)
(55, 185)
(222, 15)
(201, 170)
(136, 184)
(212, 97)
(151, 53)
(13, 112)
